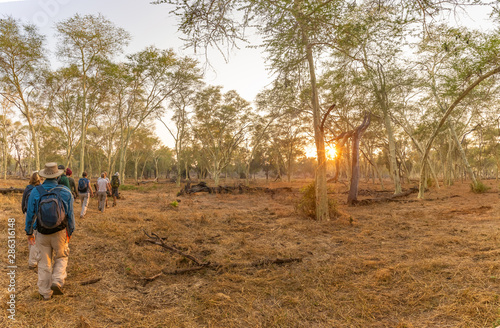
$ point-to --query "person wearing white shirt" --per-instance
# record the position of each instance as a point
(102, 187)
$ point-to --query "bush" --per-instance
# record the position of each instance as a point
(479, 188)
(307, 204)
(128, 187)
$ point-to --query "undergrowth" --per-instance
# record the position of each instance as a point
(306, 206)
(479, 188)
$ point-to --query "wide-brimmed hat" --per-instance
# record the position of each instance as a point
(50, 171)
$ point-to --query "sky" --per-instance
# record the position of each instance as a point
(148, 24)
(154, 25)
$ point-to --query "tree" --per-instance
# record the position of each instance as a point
(476, 65)
(219, 122)
(155, 76)
(87, 41)
(290, 30)
(179, 103)
(6, 127)
(62, 87)
(22, 58)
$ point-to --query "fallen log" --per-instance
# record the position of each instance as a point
(386, 199)
(11, 190)
(241, 189)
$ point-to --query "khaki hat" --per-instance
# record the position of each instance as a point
(50, 171)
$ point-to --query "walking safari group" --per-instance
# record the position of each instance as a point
(50, 219)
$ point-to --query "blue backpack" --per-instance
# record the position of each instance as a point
(51, 215)
(82, 185)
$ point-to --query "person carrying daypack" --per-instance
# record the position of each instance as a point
(63, 179)
(115, 184)
(71, 181)
(33, 251)
(84, 189)
(50, 223)
(103, 187)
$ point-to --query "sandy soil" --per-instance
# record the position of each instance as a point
(408, 263)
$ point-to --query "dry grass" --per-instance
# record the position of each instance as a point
(432, 263)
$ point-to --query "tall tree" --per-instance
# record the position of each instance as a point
(22, 58)
(155, 77)
(62, 87)
(220, 122)
(86, 41)
(5, 127)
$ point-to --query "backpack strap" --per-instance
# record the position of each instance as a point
(41, 190)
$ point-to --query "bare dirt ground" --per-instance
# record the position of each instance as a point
(431, 263)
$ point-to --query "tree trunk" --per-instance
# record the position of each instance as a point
(356, 137)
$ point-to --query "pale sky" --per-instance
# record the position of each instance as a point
(149, 25)
(153, 25)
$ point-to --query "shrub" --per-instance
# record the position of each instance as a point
(307, 203)
(128, 187)
(479, 188)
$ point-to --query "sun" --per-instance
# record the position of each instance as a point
(331, 152)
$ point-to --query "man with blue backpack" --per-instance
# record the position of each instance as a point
(84, 189)
(49, 224)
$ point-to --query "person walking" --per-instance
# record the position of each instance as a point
(102, 188)
(115, 184)
(63, 179)
(50, 222)
(84, 189)
(35, 180)
(72, 185)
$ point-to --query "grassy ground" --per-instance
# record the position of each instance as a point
(432, 263)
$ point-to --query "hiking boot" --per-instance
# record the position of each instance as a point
(33, 267)
(43, 298)
(56, 289)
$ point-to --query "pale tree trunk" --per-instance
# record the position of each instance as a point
(356, 137)
(143, 167)
(462, 153)
(453, 133)
(322, 210)
(449, 163)
(136, 164)
(4, 145)
(393, 166)
(216, 173)
(84, 125)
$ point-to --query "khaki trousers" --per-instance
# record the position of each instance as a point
(84, 199)
(51, 270)
(101, 196)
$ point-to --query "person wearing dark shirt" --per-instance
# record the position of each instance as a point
(72, 185)
(63, 179)
(35, 180)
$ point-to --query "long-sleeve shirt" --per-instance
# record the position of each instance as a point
(72, 186)
(34, 200)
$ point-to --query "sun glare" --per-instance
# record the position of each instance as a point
(331, 152)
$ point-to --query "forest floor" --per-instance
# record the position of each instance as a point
(406, 263)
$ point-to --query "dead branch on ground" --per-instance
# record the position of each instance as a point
(204, 265)
(90, 282)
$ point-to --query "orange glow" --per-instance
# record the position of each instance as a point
(331, 152)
